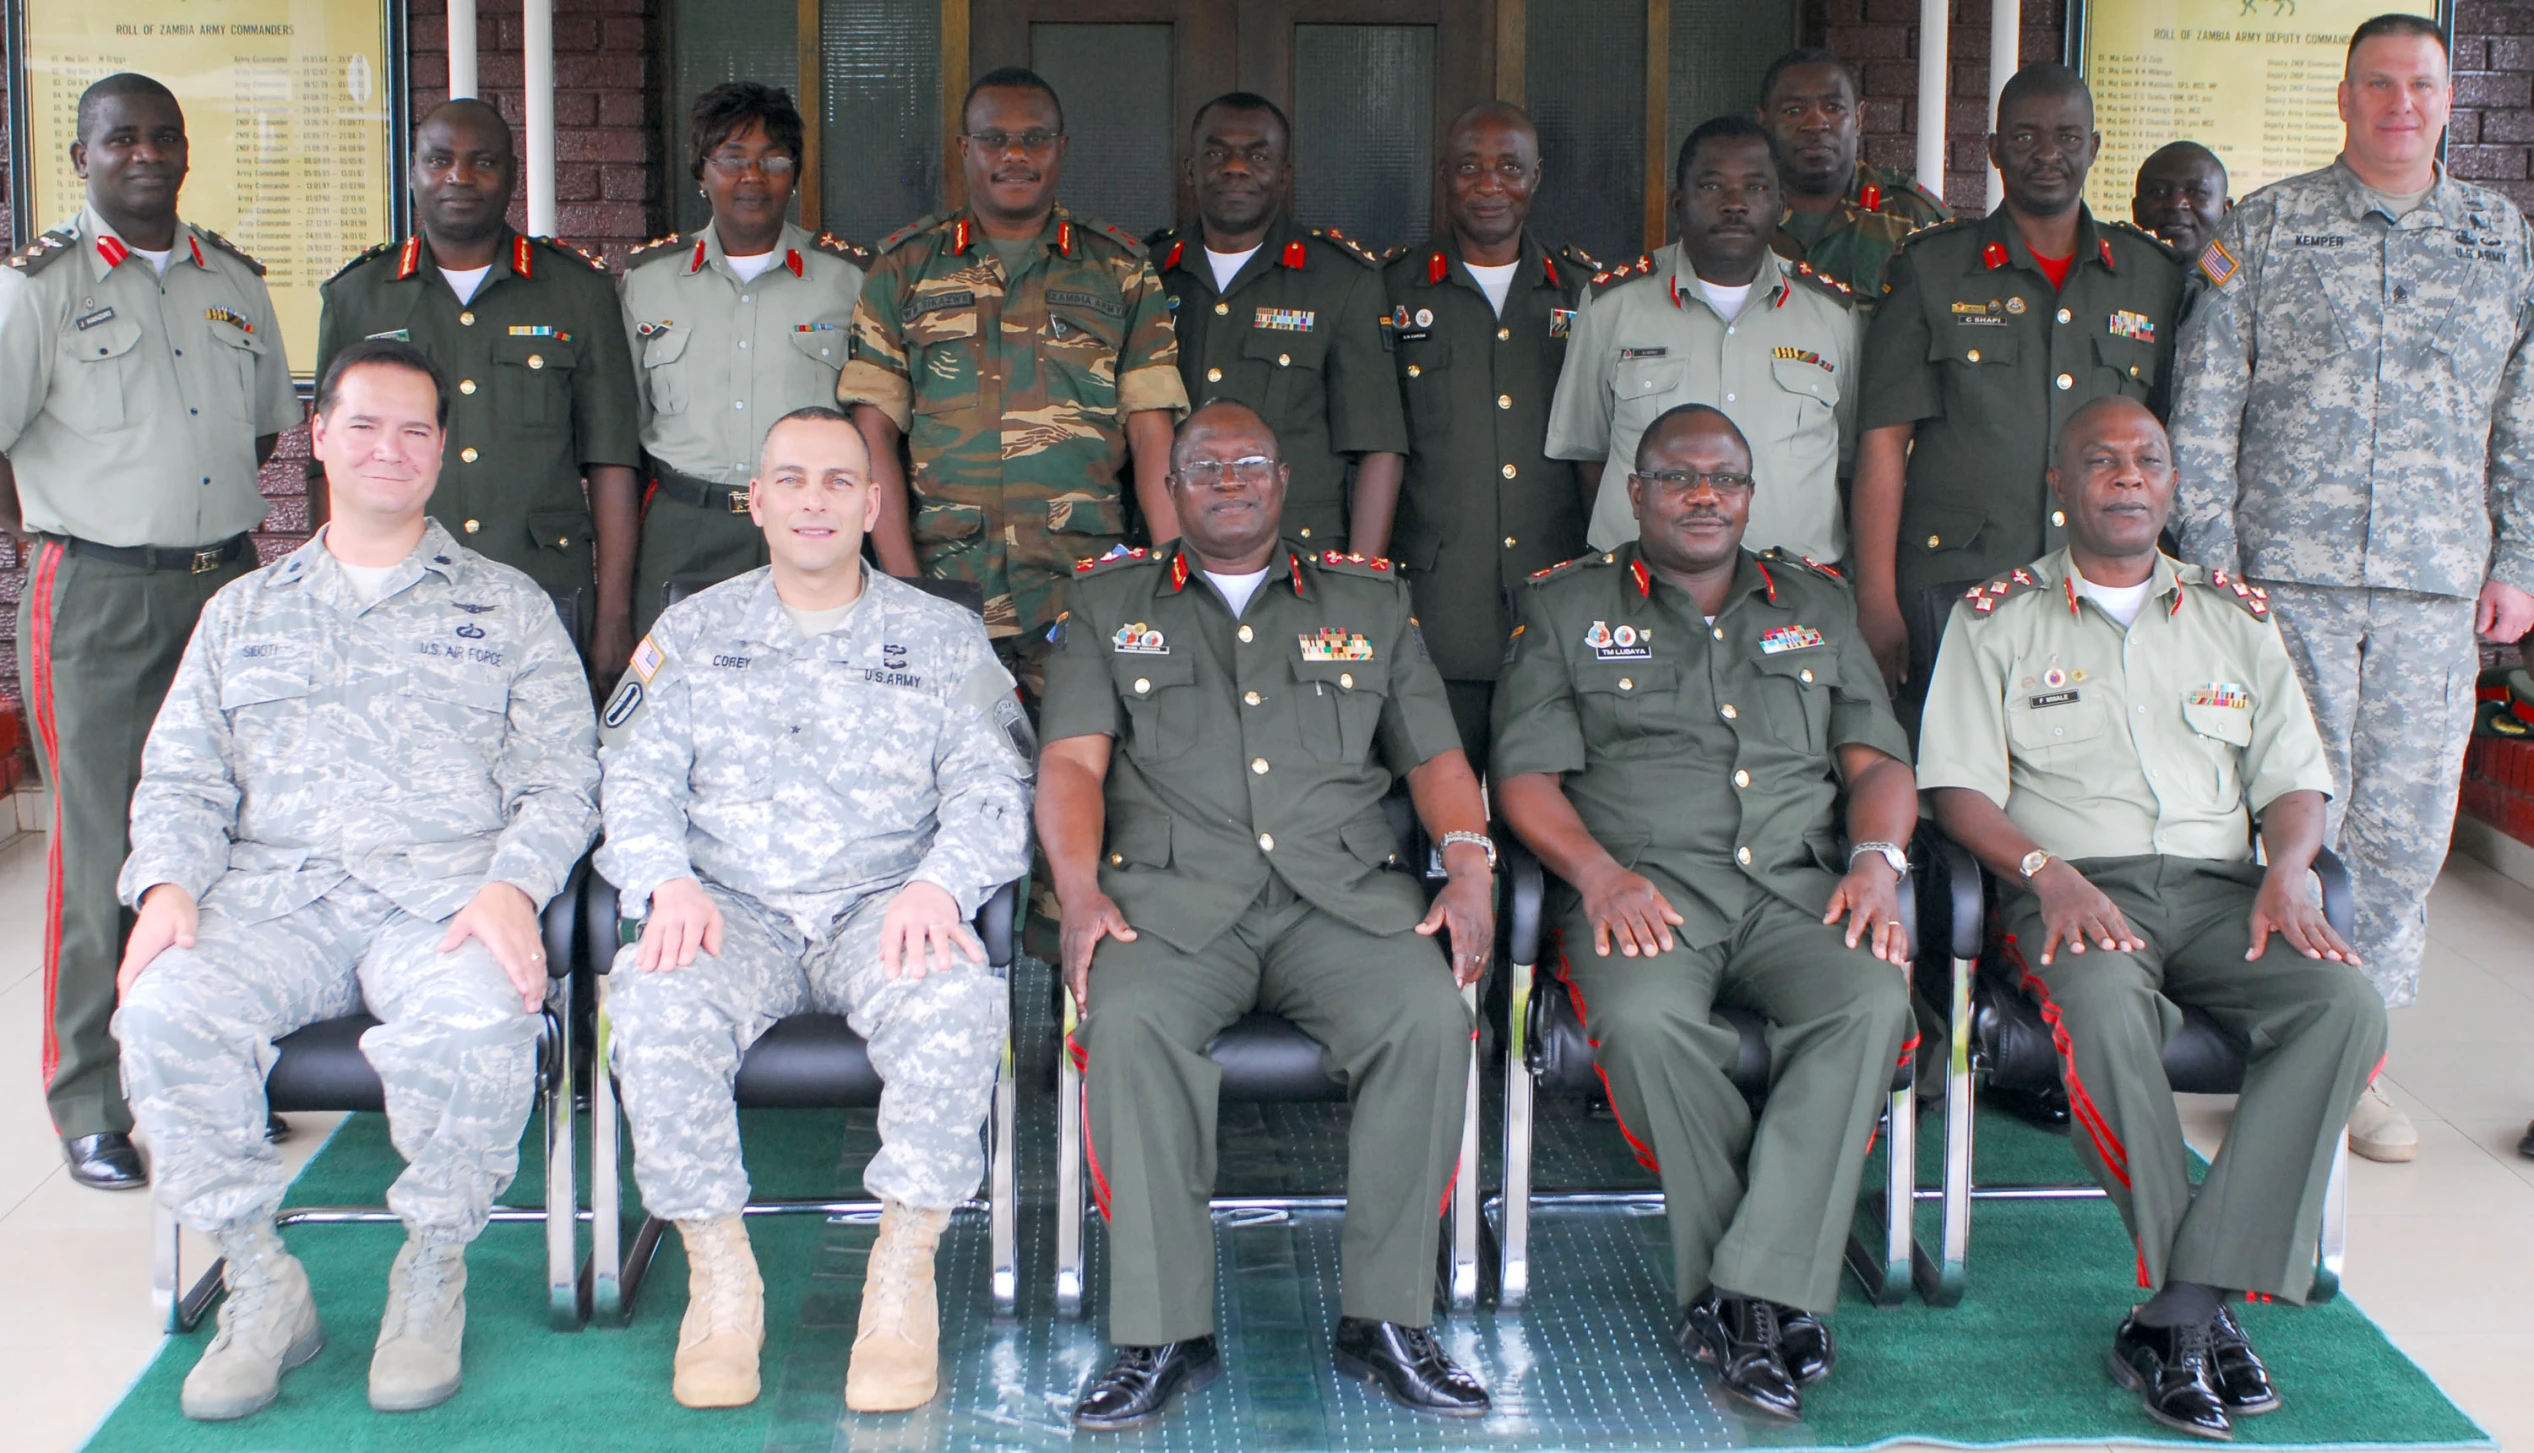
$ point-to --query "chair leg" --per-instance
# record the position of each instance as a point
(2332, 1248)
(1002, 1184)
(1463, 1288)
(607, 1229)
(1513, 1278)
(1069, 1213)
(1943, 1277)
(563, 1203)
(1883, 1268)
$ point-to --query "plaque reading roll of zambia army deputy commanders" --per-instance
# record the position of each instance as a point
(2255, 81)
(294, 136)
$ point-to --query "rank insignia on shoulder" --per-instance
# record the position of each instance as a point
(2218, 265)
(1369, 562)
(1778, 639)
(1984, 598)
(1626, 643)
(1336, 643)
(1116, 552)
(647, 660)
(2252, 598)
(1139, 639)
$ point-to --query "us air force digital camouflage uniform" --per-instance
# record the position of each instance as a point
(2354, 429)
(803, 782)
(332, 781)
(1855, 239)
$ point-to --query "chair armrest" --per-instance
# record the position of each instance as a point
(1951, 901)
(993, 924)
(2333, 875)
(1526, 886)
(565, 922)
(606, 931)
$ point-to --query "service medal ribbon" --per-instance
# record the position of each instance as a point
(1285, 320)
(1335, 643)
(223, 315)
(1788, 638)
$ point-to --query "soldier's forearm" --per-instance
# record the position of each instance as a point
(1882, 798)
(616, 508)
(2292, 831)
(1983, 828)
(1540, 814)
(1072, 813)
(1148, 437)
(1445, 792)
(1376, 502)
(1588, 475)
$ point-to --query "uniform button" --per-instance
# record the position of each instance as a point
(1807, 675)
(1741, 778)
(1249, 698)
(1717, 631)
(1221, 309)
(2059, 518)
(1214, 375)
(739, 403)
(1504, 335)
(536, 360)
(743, 343)
(467, 454)
(467, 318)
(1728, 398)
(2133, 370)
(1413, 370)
(1258, 765)
(1306, 532)
(1143, 686)
(1504, 401)
(1266, 842)
(1117, 860)
(1727, 711)
(1346, 681)
(1627, 683)
(1284, 360)
(466, 385)
(1742, 856)
(2065, 382)
(1509, 471)
(2065, 315)
(1246, 635)
(1973, 355)
(1509, 542)
(473, 525)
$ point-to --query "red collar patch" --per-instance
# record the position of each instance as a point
(196, 244)
(1294, 254)
(1994, 255)
(696, 265)
(2104, 246)
(112, 250)
(959, 236)
(1768, 582)
(1179, 570)
(1644, 580)
(1064, 238)
(1548, 269)
(1178, 250)
(409, 259)
(1295, 562)
(522, 261)
(1870, 197)
(792, 260)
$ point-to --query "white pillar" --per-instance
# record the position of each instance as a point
(536, 44)
(1934, 34)
(2005, 52)
(461, 48)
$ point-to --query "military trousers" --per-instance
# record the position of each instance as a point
(688, 544)
(98, 643)
(679, 1034)
(1395, 1032)
(454, 1051)
(1757, 1206)
(2390, 676)
(2316, 1033)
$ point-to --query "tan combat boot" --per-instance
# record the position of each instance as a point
(416, 1364)
(717, 1345)
(897, 1351)
(268, 1325)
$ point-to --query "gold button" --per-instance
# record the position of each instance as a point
(1741, 779)
(1502, 334)
(467, 318)
(2059, 518)
(1509, 542)
(1627, 683)
(2065, 382)
(2065, 315)
(563, 542)
(1266, 842)
(536, 360)
(1413, 370)
(1509, 471)
(1117, 860)
(1284, 360)
(1934, 540)
(1222, 308)
(1807, 675)
(466, 385)
(1143, 686)
(1973, 355)
(1717, 631)
(1258, 765)
(1504, 401)
(1247, 633)
(1249, 698)
(473, 525)
(1346, 681)
(1214, 375)
(467, 454)
(1728, 712)
(1742, 856)
(2133, 370)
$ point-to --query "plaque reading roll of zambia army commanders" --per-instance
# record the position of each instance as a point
(292, 118)
(2256, 81)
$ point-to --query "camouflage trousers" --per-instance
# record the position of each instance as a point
(454, 1051)
(2390, 674)
(679, 1035)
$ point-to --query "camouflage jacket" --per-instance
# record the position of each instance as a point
(808, 773)
(1013, 394)
(2353, 405)
(1882, 207)
(425, 744)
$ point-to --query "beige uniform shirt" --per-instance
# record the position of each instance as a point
(2102, 742)
(130, 403)
(718, 360)
(1783, 369)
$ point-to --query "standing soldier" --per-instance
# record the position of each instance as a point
(1477, 325)
(142, 384)
(732, 328)
(2352, 430)
(1019, 351)
(1285, 319)
(528, 327)
(1843, 215)
(2181, 196)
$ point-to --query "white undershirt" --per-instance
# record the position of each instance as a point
(158, 260)
(1227, 265)
(368, 582)
(749, 267)
(464, 281)
(2121, 602)
(1237, 589)
(1726, 301)
(1495, 282)
(816, 623)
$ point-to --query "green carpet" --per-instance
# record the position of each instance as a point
(1587, 1366)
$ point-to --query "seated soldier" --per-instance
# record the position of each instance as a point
(1223, 716)
(373, 769)
(1674, 728)
(815, 773)
(2113, 706)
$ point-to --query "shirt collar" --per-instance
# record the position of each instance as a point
(513, 256)
(2002, 243)
(765, 622)
(2442, 206)
(107, 250)
(314, 566)
(708, 252)
(1444, 265)
(1285, 565)
(1769, 286)
(2058, 574)
(1283, 245)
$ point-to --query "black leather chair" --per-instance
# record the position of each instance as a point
(2000, 1039)
(1265, 1059)
(321, 1067)
(1548, 1050)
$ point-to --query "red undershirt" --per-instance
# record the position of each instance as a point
(2055, 268)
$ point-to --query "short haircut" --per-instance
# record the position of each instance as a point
(1681, 413)
(1245, 101)
(1217, 404)
(2190, 149)
(1011, 78)
(1808, 55)
(811, 414)
(2042, 80)
(731, 108)
(384, 353)
(1729, 127)
(472, 109)
(2395, 24)
(121, 83)
(2087, 412)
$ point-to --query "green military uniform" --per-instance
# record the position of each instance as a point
(1247, 845)
(1482, 505)
(1013, 393)
(1974, 346)
(1297, 336)
(717, 359)
(130, 403)
(1702, 756)
(2135, 752)
(1854, 240)
(544, 390)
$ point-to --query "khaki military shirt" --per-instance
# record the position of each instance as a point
(1252, 747)
(1482, 506)
(1857, 237)
(1705, 752)
(1297, 336)
(2102, 742)
(1784, 370)
(544, 386)
(2355, 397)
(423, 744)
(718, 360)
(1013, 393)
(130, 403)
(1973, 346)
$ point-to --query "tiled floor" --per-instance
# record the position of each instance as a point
(2441, 1251)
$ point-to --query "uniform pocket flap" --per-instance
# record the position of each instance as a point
(534, 354)
(1637, 378)
(1627, 678)
(1140, 674)
(663, 347)
(2218, 720)
(1972, 343)
(2127, 358)
(2043, 719)
(1814, 665)
(1141, 838)
(1371, 677)
(483, 693)
(1942, 527)
(947, 520)
(249, 678)
(1802, 376)
(1083, 514)
(1425, 355)
(111, 338)
(558, 529)
(826, 344)
(1369, 838)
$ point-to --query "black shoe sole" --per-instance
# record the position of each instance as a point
(139, 1182)
(2270, 1404)
(2128, 1377)
(1198, 1381)
(1349, 1365)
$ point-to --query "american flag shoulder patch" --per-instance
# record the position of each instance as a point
(2218, 265)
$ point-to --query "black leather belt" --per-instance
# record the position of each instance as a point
(686, 489)
(161, 557)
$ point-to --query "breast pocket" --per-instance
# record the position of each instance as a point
(661, 374)
(1339, 705)
(1294, 361)
(532, 383)
(1626, 707)
(242, 355)
(2129, 365)
(264, 697)
(97, 370)
(2055, 733)
(1641, 389)
(1808, 395)
(1082, 347)
(1426, 385)
(1794, 689)
(457, 707)
(818, 355)
(2223, 732)
(1160, 693)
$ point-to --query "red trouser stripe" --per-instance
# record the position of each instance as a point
(48, 556)
(1099, 1182)
(2115, 1156)
(1645, 1157)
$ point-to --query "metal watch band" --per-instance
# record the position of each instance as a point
(1478, 840)
(1893, 853)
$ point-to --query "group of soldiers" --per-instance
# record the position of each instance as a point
(1869, 456)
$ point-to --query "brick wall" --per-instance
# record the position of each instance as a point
(1880, 39)
(2492, 136)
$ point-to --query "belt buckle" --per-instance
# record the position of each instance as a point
(206, 561)
(737, 501)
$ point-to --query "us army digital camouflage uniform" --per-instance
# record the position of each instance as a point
(331, 782)
(1855, 238)
(1013, 395)
(803, 782)
(2354, 430)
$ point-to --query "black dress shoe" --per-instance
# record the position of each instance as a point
(2526, 1145)
(276, 1129)
(1804, 1343)
(1138, 1387)
(2171, 1371)
(105, 1162)
(1740, 1336)
(2046, 1107)
(1410, 1365)
(2242, 1382)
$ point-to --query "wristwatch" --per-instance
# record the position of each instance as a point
(1893, 853)
(2034, 862)
(1478, 840)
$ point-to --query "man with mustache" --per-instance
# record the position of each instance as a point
(1843, 214)
(2181, 196)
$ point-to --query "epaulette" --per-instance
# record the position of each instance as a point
(1610, 277)
(1780, 555)
(853, 252)
(1160, 236)
(1984, 598)
(380, 250)
(1094, 227)
(1824, 281)
(231, 248)
(1376, 566)
(655, 246)
(43, 252)
(1937, 229)
(1351, 247)
(557, 244)
(919, 226)
(1564, 568)
(2143, 235)
(1121, 555)
(2254, 599)
(1584, 263)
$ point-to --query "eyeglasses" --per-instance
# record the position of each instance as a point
(1035, 139)
(1250, 469)
(775, 168)
(1688, 482)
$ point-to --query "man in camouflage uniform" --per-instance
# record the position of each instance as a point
(373, 770)
(1017, 350)
(2354, 429)
(1843, 215)
(827, 870)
